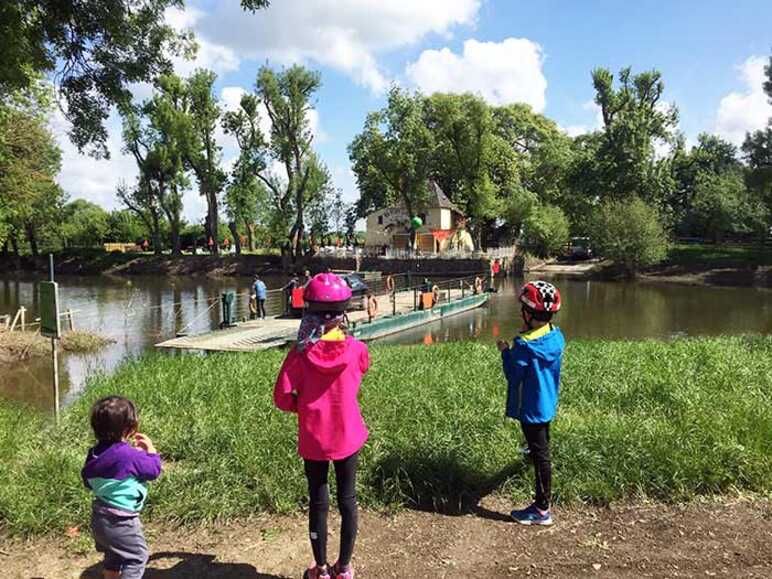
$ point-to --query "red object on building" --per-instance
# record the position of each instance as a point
(210, 243)
(226, 242)
(440, 234)
(297, 298)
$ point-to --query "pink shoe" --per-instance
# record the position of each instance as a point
(314, 572)
(340, 573)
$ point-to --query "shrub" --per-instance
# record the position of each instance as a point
(546, 230)
(630, 233)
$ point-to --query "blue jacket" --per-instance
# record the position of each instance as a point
(260, 289)
(532, 368)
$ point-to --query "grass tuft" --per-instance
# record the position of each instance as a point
(662, 420)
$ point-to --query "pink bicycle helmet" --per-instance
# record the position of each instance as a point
(326, 291)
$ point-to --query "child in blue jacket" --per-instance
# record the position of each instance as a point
(532, 369)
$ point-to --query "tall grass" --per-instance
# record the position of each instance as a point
(665, 420)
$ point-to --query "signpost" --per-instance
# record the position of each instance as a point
(50, 324)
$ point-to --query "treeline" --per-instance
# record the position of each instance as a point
(628, 186)
(173, 138)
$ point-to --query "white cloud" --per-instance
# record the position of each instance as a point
(83, 177)
(343, 34)
(216, 57)
(739, 112)
(502, 72)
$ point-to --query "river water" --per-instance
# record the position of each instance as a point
(140, 311)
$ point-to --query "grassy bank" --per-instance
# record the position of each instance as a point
(19, 346)
(665, 420)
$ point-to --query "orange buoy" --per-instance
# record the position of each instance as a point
(372, 307)
(390, 283)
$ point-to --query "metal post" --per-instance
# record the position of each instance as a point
(54, 353)
(394, 301)
(55, 360)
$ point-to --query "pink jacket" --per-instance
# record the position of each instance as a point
(321, 384)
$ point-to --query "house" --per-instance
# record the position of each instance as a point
(443, 226)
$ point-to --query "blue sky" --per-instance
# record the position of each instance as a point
(711, 54)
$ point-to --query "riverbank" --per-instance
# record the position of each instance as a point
(19, 346)
(705, 265)
(701, 539)
(96, 262)
(650, 420)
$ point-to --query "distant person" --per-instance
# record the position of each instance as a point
(117, 470)
(306, 277)
(293, 283)
(532, 369)
(320, 381)
(260, 293)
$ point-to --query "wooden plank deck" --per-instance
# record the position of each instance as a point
(273, 332)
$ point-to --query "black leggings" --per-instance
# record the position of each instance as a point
(319, 493)
(261, 309)
(538, 438)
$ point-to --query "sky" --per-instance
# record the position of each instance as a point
(711, 54)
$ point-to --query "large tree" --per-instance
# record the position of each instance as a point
(29, 162)
(286, 97)
(94, 49)
(203, 154)
(394, 154)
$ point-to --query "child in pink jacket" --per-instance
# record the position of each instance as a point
(320, 380)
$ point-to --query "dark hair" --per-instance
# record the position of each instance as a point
(112, 417)
(537, 315)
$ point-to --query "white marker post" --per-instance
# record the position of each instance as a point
(50, 325)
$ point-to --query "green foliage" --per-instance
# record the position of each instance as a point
(123, 226)
(722, 205)
(392, 157)
(84, 224)
(630, 233)
(94, 48)
(229, 453)
(546, 230)
(29, 162)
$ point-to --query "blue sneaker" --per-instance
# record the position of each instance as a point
(532, 516)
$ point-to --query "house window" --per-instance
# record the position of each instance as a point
(380, 220)
(423, 218)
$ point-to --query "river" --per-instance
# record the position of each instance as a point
(140, 311)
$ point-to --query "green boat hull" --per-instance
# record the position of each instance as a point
(387, 325)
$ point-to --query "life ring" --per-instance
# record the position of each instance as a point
(372, 307)
(435, 294)
(478, 285)
(253, 305)
(390, 283)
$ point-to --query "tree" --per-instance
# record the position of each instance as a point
(152, 135)
(201, 152)
(630, 233)
(467, 149)
(141, 200)
(633, 119)
(757, 151)
(286, 97)
(94, 48)
(723, 205)
(29, 161)
(546, 230)
(123, 226)
(393, 156)
(83, 224)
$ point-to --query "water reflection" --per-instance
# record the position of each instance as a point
(138, 312)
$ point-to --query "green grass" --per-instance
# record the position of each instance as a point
(721, 255)
(661, 420)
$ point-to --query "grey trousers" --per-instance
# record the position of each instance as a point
(122, 541)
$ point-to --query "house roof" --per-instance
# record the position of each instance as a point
(437, 198)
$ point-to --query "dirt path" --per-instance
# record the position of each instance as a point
(733, 539)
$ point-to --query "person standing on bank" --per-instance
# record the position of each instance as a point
(320, 381)
(532, 369)
(260, 292)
